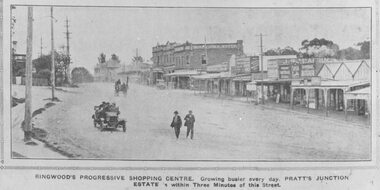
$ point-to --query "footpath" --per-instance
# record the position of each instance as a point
(337, 116)
(40, 104)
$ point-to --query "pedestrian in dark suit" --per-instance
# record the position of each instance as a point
(189, 123)
(176, 123)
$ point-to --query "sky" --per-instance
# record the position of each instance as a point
(123, 30)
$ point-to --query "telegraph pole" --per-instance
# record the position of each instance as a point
(68, 72)
(262, 67)
(52, 56)
(27, 127)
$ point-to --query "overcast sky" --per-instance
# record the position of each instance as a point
(122, 30)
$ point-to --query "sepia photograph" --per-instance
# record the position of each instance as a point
(223, 84)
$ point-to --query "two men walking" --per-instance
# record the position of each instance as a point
(189, 123)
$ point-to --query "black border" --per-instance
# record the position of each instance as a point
(191, 168)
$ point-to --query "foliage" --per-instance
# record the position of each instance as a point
(115, 57)
(137, 59)
(81, 74)
(364, 49)
(61, 61)
(319, 48)
(45, 73)
(286, 51)
(102, 58)
(349, 54)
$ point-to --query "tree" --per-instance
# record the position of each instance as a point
(288, 51)
(115, 57)
(349, 54)
(81, 74)
(102, 58)
(61, 63)
(364, 49)
(44, 73)
(320, 48)
(285, 51)
(137, 59)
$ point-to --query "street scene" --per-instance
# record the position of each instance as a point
(168, 84)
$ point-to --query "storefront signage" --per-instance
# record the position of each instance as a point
(273, 69)
(285, 71)
(307, 70)
(295, 71)
(251, 87)
(213, 46)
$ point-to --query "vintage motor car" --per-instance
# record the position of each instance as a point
(108, 119)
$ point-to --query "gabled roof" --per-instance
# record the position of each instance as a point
(364, 62)
(340, 67)
(333, 67)
(353, 65)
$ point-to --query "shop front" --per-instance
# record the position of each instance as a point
(240, 84)
(328, 95)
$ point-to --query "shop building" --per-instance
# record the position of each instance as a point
(172, 61)
(107, 72)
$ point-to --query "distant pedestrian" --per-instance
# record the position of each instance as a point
(189, 123)
(176, 123)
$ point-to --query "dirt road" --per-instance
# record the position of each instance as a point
(224, 130)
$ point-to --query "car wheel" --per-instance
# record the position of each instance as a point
(124, 128)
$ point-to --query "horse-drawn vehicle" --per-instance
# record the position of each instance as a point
(106, 116)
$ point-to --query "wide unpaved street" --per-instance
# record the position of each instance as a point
(224, 130)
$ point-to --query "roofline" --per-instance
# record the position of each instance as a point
(364, 61)
(324, 65)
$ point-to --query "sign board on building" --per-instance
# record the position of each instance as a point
(217, 68)
(307, 70)
(259, 76)
(295, 71)
(285, 71)
(214, 46)
(272, 69)
(251, 87)
(255, 64)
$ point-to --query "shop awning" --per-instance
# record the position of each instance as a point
(206, 76)
(268, 81)
(183, 73)
(363, 94)
(158, 70)
(212, 76)
(242, 78)
(334, 83)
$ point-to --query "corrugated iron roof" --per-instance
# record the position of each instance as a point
(333, 67)
(353, 65)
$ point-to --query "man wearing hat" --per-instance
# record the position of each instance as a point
(176, 123)
(189, 123)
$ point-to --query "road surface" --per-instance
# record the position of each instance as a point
(224, 129)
